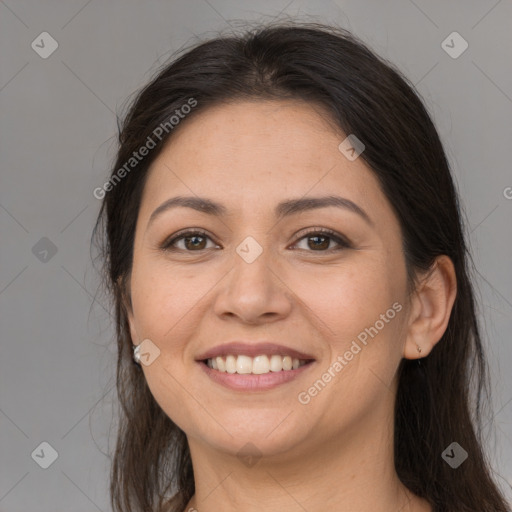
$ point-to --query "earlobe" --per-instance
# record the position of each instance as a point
(431, 309)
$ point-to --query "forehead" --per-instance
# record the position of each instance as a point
(257, 152)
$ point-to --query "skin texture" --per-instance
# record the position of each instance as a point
(338, 448)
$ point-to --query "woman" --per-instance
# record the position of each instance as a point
(284, 246)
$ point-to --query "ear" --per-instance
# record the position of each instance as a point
(431, 308)
(123, 287)
(133, 329)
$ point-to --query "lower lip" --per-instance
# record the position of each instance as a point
(251, 382)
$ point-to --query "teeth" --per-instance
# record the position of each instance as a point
(231, 364)
(255, 365)
(244, 364)
(221, 364)
(260, 364)
(276, 363)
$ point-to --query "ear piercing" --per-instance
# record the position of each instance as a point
(136, 354)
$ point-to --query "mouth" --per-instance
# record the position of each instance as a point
(259, 365)
(253, 367)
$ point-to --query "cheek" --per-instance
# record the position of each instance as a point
(348, 299)
(362, 310)
(158, 292)
(164, 308)
(169, 304)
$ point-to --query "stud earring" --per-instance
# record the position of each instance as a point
(136, 354)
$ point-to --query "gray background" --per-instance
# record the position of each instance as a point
(58, 134)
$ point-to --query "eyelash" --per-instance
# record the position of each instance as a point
(341, 241)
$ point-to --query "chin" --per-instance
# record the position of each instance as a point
(267, 437)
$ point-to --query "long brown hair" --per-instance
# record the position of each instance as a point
(438, 400)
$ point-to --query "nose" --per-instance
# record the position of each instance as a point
(254, 292)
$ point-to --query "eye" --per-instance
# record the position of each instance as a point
(192, 240)
(319, 239)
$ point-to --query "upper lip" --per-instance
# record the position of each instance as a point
(252, 349)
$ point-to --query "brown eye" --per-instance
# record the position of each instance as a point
(195, 242)
(318, 240)
(192, 241)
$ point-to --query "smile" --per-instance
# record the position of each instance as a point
(254, 374)
(259, 365)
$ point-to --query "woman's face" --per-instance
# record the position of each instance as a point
(263, 277)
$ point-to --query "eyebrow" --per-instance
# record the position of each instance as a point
(282, 210)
